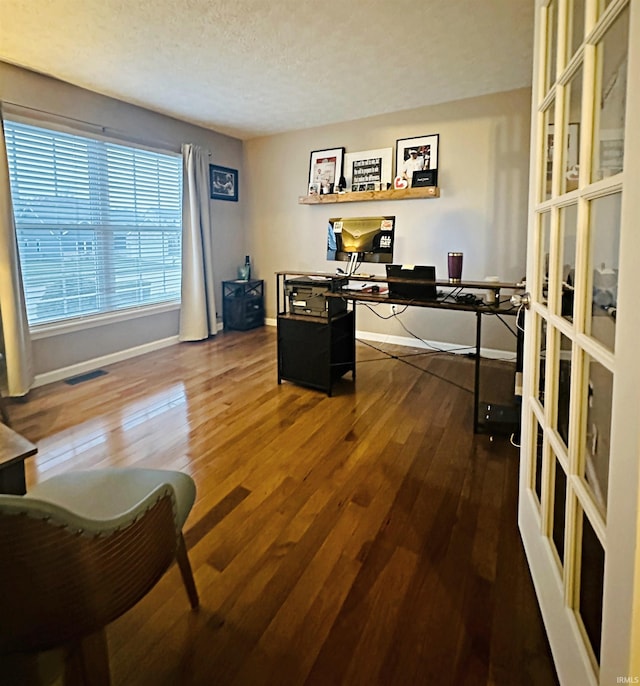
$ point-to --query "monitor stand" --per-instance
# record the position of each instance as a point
(353, 263)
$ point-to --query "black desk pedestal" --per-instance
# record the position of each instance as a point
(314, 351)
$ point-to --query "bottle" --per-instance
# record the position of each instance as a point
(247, 268)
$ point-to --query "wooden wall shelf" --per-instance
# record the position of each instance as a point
(361, 196)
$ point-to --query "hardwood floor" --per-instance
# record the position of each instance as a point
(368, 538)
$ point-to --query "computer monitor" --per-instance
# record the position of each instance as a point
(370, 238)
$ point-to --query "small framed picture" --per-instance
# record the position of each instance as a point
(314, 189)
(368, 166)
(425, 177)
(416, 154)
(325, 167)
(223, 183)
(571, 153)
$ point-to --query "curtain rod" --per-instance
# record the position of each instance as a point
(99, 128)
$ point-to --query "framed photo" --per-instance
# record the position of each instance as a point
(325, 167)
(367, 167)
(611, 152)
(425, 177)
(223, 183)
(416, 154)
(571, 155)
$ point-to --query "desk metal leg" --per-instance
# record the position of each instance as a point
(476, 380)
(353, 338)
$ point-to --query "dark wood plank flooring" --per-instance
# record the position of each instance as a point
(368, 538)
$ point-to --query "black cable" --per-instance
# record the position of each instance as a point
(437, 376)
(377, 314)
(401, 358)
(429, 345)
(431, 351)
(452, 294)
(495, 314)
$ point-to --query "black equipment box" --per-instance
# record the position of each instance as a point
(502, 420)
(306, 296)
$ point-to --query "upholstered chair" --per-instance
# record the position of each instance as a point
(82, 548)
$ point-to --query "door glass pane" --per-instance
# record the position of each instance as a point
(564, 388)
(577, 25)
(605, 248)
(597, 437)
(552, 42)
(542, 337)
(591, 585)
(559, 510)
(537, 459)
(608, 150)
(571, 165)
(549, 118)
(569, 229)
(543, 262)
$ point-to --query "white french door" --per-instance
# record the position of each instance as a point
(579, 480)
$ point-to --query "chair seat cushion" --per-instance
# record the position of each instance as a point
(107, 493)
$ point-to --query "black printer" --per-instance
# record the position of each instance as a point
(306, 295)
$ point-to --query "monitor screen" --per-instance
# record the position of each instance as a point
(370, 237)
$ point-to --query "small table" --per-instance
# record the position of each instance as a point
(243, 304)
(14, 450)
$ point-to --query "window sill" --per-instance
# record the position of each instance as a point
(40, 331)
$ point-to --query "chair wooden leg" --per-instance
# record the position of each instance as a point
(187, 574)
(88, 662)
(4, 412)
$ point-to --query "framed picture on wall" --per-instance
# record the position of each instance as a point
(325, 168)
(223, 183)
(368, 167)
(572, 150)
(416, 154)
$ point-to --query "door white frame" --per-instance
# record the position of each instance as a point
(619, 530)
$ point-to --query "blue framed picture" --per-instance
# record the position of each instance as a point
(223, 183)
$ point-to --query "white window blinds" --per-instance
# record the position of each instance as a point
(98, 224)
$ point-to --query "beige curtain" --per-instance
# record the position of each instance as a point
(13, 313)
(198, 310)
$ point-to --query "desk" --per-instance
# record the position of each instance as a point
(353, 295)
(14, 450)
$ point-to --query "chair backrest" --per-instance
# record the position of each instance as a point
(60, 583)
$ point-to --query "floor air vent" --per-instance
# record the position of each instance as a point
(85, 377)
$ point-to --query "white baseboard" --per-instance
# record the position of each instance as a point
(406, 341)
(410, 342)
(98, 362)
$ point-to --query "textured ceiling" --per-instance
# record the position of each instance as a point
(255, 67)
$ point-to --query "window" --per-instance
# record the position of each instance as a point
(98, 224)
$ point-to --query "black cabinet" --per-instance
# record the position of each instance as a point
(243, 304)
(316, 351)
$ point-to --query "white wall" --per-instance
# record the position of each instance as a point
(483, 168)
(482, 211)
(30, 90)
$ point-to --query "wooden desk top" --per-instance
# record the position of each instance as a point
(479, 285)
(14, 447)
(443, 302)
